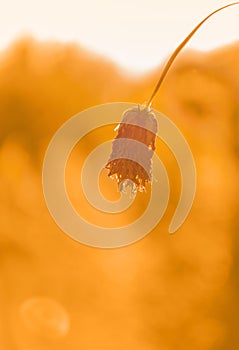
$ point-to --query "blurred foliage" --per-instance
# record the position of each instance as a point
(164, 292)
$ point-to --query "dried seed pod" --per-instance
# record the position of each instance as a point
(131, 159)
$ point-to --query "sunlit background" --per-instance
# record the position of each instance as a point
(136, 34)
(164, 292)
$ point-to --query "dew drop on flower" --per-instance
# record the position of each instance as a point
(128, 188)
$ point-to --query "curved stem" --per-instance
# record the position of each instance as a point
(178, 49)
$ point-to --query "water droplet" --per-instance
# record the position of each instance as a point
(45, 317)
(128, 188)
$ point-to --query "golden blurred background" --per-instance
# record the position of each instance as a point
(163, 292)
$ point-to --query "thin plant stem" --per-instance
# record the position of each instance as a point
(177, 51)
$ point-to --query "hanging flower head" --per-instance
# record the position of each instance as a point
(131, 159)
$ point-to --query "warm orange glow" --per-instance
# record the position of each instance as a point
(136, 35)
(164, 292)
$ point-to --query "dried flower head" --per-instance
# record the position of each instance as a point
(131, 159)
